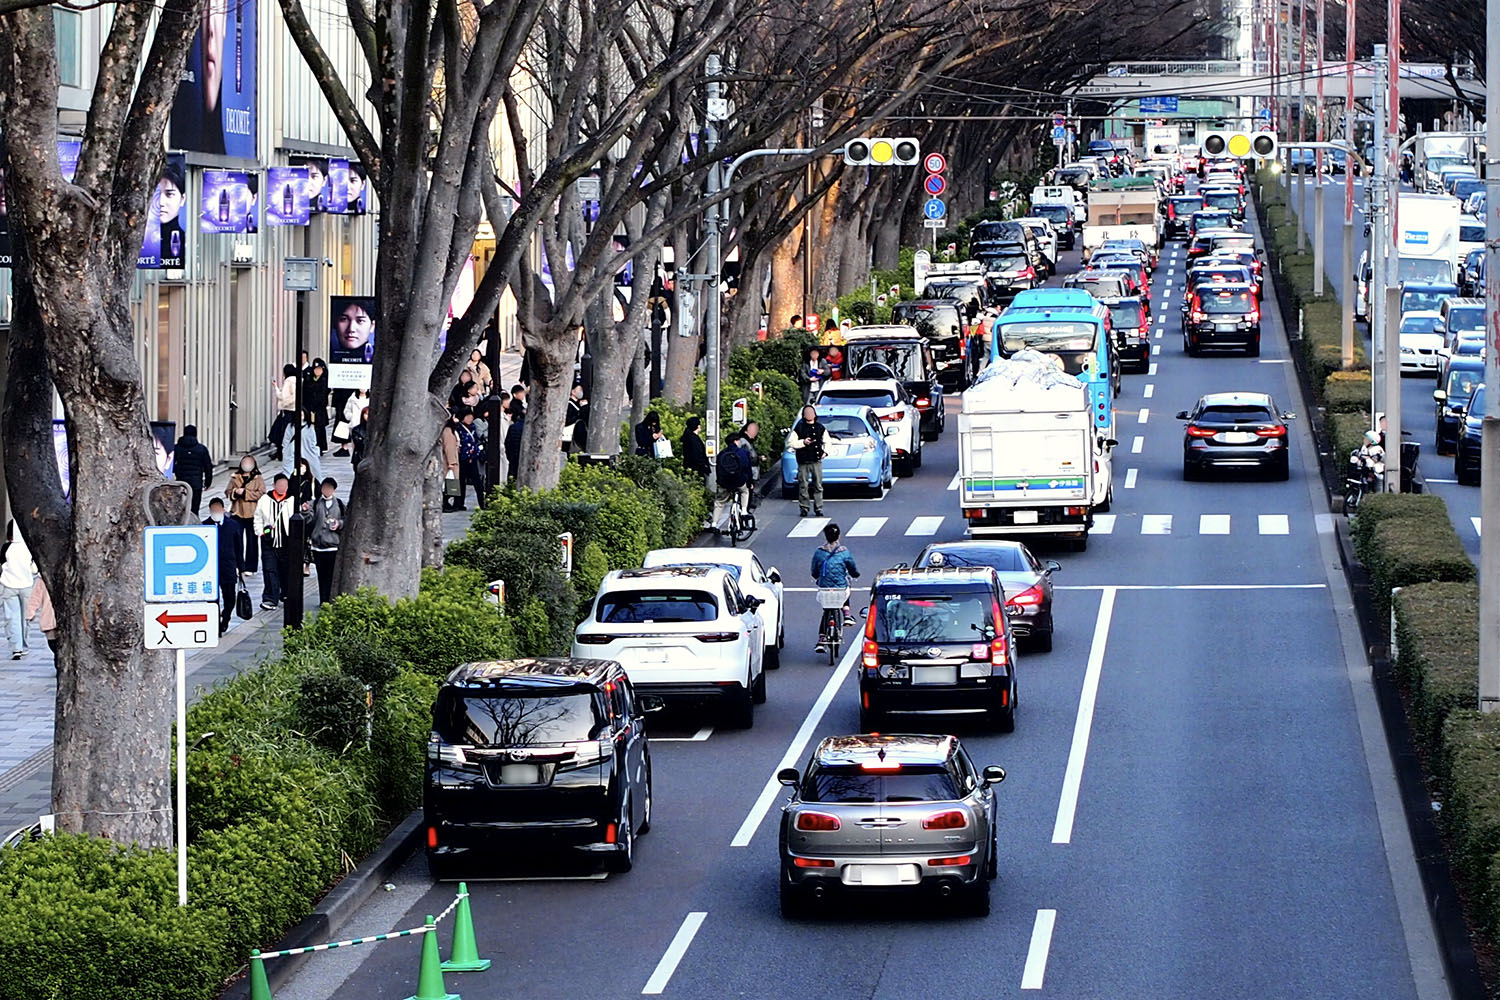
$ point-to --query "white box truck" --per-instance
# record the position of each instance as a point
(1030, 459)
(1161, 141)
(1123, 210)
(1434, 151)
(1427, 237)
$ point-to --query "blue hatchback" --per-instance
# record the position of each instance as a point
(856, 452)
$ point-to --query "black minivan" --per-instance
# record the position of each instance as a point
(937, 640)
(532, 756)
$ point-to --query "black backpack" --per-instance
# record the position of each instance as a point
(729, 467)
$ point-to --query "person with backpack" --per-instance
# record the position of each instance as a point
(732, 479)
(325, 522)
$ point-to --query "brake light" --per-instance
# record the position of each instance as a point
(1199, 314)
(880, 765)
(717, 637)
(1028, 273)
(1253, 315)
(1275, 430)
(588, 639)
(1200, 432)
(611, 833)
(432, 836)
(923, 402)
(887, 417)
(812, 862)
(953, 819)
(962, 859)
(1030, 597)
(814, 822)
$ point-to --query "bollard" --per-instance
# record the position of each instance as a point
(465, 955)
(430, 972)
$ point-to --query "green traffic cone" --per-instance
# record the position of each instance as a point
(465, 950)
(259, 988)
(430, 974)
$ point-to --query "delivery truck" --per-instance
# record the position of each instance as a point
(1126, 209)
(1427, 237)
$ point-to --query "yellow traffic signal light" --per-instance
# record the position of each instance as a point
(882, 151)
(1240, 144)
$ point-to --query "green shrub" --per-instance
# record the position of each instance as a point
(398, 741)
(331, 710)
(1471, 808)
(780, 389)
(781, 354)
(682, 513)
(1385, 506)
(589, 568)
(1344, 433)
(1404, 551)
(628, 520)
(1347, 392)
(1437, 653)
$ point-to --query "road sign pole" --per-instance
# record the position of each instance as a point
(181, 778)
(1489, 467)
(1346, 352)
(1318, 168)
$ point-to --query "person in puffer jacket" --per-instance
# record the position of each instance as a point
(833, 567)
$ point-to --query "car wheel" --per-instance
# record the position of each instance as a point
(917, 457)
(742, 709)
(1462, 474)
(1281, 469)
(788, 492)
(908, 467)
(1189, 473)
(623, 859)
(1109, 499)
(646, 813)
(1005, 718)
(1252, 349)
(758, 689)
(979, 897)
(793, 900)
(773, 657)
(1042, 641)
(885, 483)
(992, 867)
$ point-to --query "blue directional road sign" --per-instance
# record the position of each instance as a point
(934, 208)
(182, 563)
(1158, 105)
(1264, 114)
(1059, 132)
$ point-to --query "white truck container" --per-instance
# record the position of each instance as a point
(1161, 141)
(1061, 194)
(1435, 150)
(1123, 214)
(1427, 237)
(1030, 460)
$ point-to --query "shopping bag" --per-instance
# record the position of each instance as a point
(662, 448)
(453, 486)
(342, 432)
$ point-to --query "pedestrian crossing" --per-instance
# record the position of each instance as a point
(930, 525)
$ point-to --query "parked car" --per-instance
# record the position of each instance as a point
(945, 324)
(755, 580)
(906, 353)
(856, 452)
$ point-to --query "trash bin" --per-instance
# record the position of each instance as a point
(1410, 452)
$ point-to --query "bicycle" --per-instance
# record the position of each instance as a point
(741, 521)
(831, 629)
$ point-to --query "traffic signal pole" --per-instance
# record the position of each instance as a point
(1489, 467)
(1377, 243)
(1317, 237)
(1346, 349)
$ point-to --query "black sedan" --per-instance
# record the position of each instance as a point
(1027, 582)
(1235, 430)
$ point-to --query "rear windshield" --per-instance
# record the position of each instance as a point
(1190, 203)
(1425, 301)
(516, 718)
(1126, 316)
(904, 360)
(861, 397)
(930, 320)
(1232, 243)
(1222, 199)
(639, 607)
(1003, 558)
(1054, 213)
(1471, 234)
(1234, 413)
(1461, 384)
(930, 615)
(840, 425)
(1418, 324)
(1221, 303)
(1209, 220)
(1007, 262)
(911, 783)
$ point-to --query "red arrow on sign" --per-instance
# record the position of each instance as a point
(167, 618)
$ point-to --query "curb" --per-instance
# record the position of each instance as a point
(341, 903)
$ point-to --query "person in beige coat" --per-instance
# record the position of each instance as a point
(246, 487)
(39, 608)
(451, 471)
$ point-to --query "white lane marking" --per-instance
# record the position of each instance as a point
(1275, 361)
(1161, 317)
(1475, 522)
(791, 758)
(1136, 445)
(1130, 478)
(1158, 334)
(698, 737)
(953, 483)
(928, 525)
(1325, 523)
(1213, 524)
(1156, 524)
(1194, 586)
(1274, 524)
(679, 946)
(1104, 524)
(867, 527)
(1155, 349)
(1067, 805)
(1143, 416)
(807, 527)
(1036, 955)
(1431, 480)
(1150, 389)
(1151, 368)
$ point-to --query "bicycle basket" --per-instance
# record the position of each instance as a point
(832, 597)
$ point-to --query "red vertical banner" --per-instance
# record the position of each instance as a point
(1349, 160)
(1393, 130)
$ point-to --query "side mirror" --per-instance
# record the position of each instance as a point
(649, 703)
(865, 611)
(1052, 566)
(1183, 415)
(1439, 396)
(1111, 443)
(994, 775)
(773, 574)
(788, 776)
(753, 603)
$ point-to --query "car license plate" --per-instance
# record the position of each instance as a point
(1024, 517)
(934, 675)
(1238, 437)
(649, 655)
(520, 774)
(881, 875)
(1226, 327)
(835, 450)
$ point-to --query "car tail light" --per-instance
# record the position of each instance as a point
(962, 859)
(611, 833)
(432, 836)
(870, 656)
(1253, 315)
(589, 639)
(815, 822)
(1030, 597)
(1199, 314)
(1200, 432)
(953, 819)
(889, 417)
(1275, 430)
(923, 402)
(888, 766)
(1029, 273)
(812, 862)
(717, 636)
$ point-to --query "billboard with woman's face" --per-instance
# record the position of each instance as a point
(351, 341)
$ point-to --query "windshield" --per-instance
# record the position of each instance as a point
(1222, 199)
(640, 607)
(911, 783)
(1435, 164)
(1125, 315)
(858, 397)
(1060, 214)
(1187, 204)
(1002, 558)
(1224, 303)
(1420, 323)
(1461, 384)
(1232, 243)
(1424, 269)
(931, 615)
(1074, 343)
(1467, 318)
(519, 718)
(902, 359)
(1008, 262)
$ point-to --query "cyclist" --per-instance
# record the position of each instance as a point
(832, 568)
(733, 475)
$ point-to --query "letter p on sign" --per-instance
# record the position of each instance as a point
(182, 563)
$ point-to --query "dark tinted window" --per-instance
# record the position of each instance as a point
(860, 397)
(1054, 213)
(1476, 401)
(516, 718)
(930, 320)
(1471, 234)
(1222, 199)
(1461, 383)
(636, 607)
(1235, 413)
(1004, 558)
(1125, 316)
(911, 783)
(932, 615)
(1225, 303)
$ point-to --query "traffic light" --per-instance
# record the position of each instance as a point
(882, 152)
(1240, 144)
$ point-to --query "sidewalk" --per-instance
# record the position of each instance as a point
(29, 691)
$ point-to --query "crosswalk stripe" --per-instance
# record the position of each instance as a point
(1274, 524)
(1104, 524)
(867, 527)
(1156, 524)
(1213, 524)
(807, 527)
(953, 483)
(1155, 349)
(924, 525)
(1144, 415)
(1475, 521)
(1130, 478)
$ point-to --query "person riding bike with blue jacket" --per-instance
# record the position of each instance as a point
(832, 568)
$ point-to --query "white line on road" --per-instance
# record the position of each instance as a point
(1158, 334)
(1155, 349)
(867, 527)
(1130, 478)
(1275, 361)
(697, 737)
(679, 946)
(1149, 391)
(1151, 368)
(1135, 446)
(953, 483)
(1156, 524)
(1143, 416)
(1475, 522)
(1104, 524)
(807, 527)
(1431, 480)
(1036, 955)
(746, 832)
(1192, 586)
(1274, 524)
(927, 525)
(1062, 832)
(1213, 524)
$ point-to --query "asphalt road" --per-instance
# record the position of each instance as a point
(1418, 413)
(1190, 810)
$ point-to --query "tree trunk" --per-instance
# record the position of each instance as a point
(432, 506)
(552, 356)
(786, 285)
(682, 352)
(611, 368)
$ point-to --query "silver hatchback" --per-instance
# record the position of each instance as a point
(888, 812)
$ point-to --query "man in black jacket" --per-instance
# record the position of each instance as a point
(192, 464)
(809, 448)
(229, 560)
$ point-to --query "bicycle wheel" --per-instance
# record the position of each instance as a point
(734, 526)
(835, 637)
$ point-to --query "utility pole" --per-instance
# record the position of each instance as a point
(1377, 242)
(1346, 352)
(1392, 327)
(716, 214)
(1302, 121)
(1318, 111)
(1489, 467)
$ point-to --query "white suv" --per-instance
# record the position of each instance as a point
(754, 579)
(684, 632)
(900, 419)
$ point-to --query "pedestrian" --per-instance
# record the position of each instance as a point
(192, 464)
(246, 487)
(748, 435)
(732, 478)
(576, 423)
(229, 560)
(358, 439)
(326, 522)
(471, 459)
(465, 393)
(647, 433)
(315, 400)
(17, 576)
(453, 482)
(812, 374)
(513, 444)
(517, 405)
(39, 608)
(694, 454)
(309, 446)
(807, 442)
(286, 407)
(481, 372)
(273, 518)
(347, 418)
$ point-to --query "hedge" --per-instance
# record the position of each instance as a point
(1470, 779)
(1380, 507)
(1345, 431)
(1405, 538)
(1347, 392)
(1437, 654)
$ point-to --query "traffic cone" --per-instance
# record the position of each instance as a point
(430, 974)
(259, 988)
(465, 951)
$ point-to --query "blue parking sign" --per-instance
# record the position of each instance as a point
(182, 563)
(934, 208)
